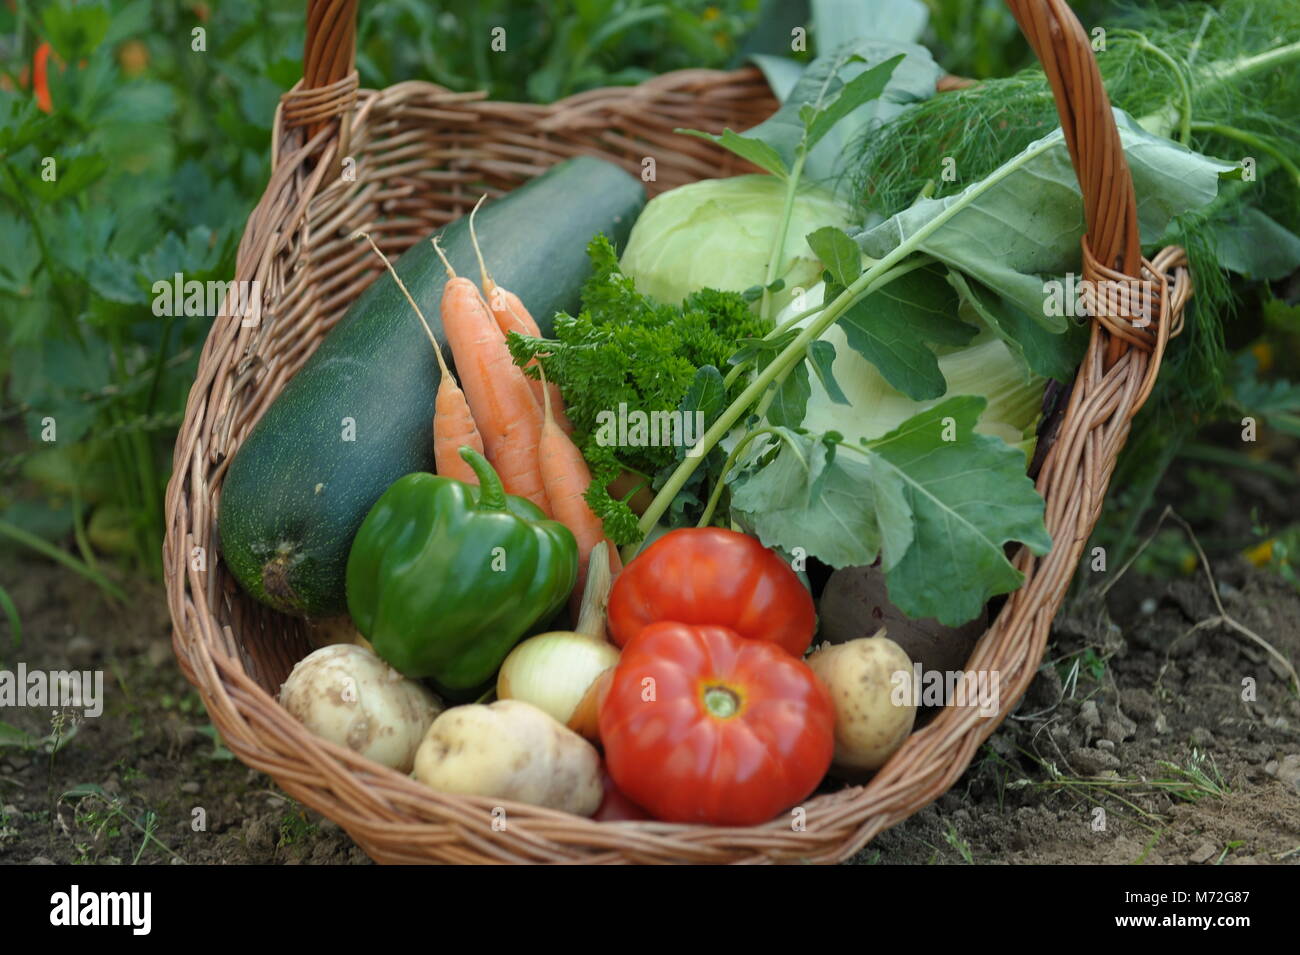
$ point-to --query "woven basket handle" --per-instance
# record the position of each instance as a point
(328, 61)
(1109, 203)
(331, 42)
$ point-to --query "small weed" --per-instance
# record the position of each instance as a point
(106, 817)
(1086, 662)
(957, 842)
(128, 774)
(1198, 779)
(1146, 850)
(1236, 844)
(295, 827)
(219, 750)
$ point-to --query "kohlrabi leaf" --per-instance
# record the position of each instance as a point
(760, 351)
(1042, 352)
(812, 100)
(1025, 219)
(746, 147)
(791, 398)
(933, 498)
(839, 253)
(966, 495)
(890, 328)
(776, 501)
(858, 91)
(1254, 245)
(821, 355)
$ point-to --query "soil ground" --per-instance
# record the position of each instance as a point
(1138, 742)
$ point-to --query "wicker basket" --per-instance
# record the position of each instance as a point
(422, 156)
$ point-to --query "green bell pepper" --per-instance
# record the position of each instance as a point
(444, 578)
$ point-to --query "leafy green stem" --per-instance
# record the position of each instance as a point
(60, 289)
(739, 368)
(736, 452)
(778, 241)
(41, 546)
(1246, 65)
(1254, 142)
(1216, 75)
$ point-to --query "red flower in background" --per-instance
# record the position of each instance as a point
(40, 79)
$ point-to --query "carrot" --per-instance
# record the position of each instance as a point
(566, 476)
(453, 425)
(512, 316)
(507, 415)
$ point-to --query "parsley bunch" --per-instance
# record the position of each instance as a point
(624, 349)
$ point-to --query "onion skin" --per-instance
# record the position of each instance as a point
(555, 672)
(585, 720)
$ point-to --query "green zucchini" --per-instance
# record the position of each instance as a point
(358, 415)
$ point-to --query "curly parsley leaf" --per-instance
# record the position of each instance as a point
(625, 357)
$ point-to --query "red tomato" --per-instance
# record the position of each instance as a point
(616, 807)
(701, 725)
(710, 575)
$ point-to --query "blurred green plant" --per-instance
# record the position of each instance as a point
(551, 49)
(152, 152)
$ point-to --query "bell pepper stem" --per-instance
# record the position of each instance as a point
(491, 495)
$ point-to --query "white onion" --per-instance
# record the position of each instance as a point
(554, 671)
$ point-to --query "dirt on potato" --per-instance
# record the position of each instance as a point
(1148, 736)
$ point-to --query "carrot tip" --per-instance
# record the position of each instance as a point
(485, 278)
(447, 265)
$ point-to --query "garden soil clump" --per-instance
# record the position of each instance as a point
(1134, 744)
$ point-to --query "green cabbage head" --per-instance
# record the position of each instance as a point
(718, 233)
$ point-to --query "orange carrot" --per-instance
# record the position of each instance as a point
(512, 316)
(566, 476)
(453, 425)
(507, 415)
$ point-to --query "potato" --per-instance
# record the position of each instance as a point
(869, 723)
(347, 695)
(855, 604)
(510, 750)
(329, 631)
